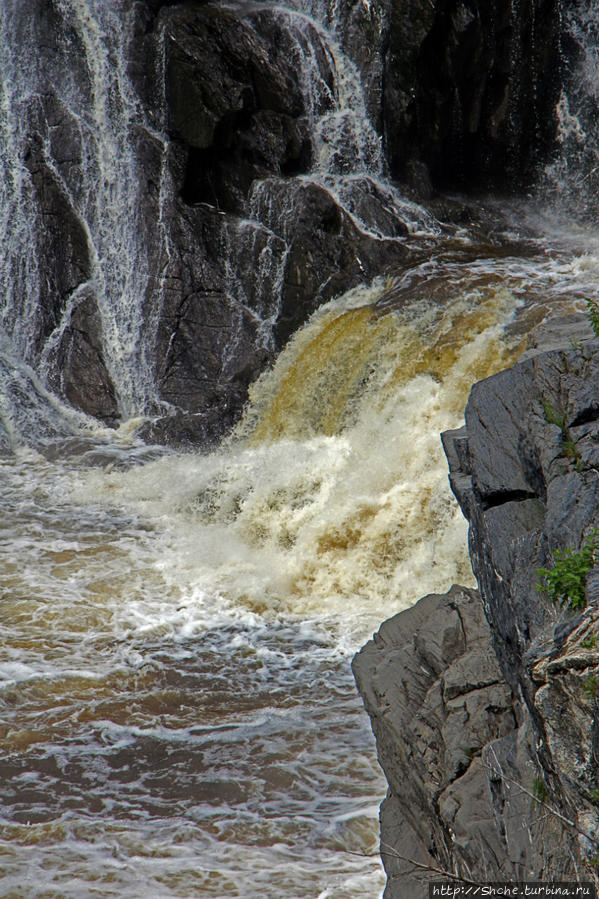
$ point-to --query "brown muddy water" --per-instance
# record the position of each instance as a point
(178, 716)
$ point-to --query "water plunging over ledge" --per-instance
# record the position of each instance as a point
(178, 713)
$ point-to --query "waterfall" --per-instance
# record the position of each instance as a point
(573, 176)
(178, 711)
(109, 197)
(347, 164)
(76, 138)
(72, 128)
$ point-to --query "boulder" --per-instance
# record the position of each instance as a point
(456, 757)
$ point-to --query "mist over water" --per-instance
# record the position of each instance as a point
(178, 715)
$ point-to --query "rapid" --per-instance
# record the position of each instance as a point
(177, 711)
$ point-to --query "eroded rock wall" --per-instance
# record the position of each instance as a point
(220, 126)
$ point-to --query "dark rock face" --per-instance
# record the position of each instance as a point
(528, 486)
(79, 361)
(448, 741)
(234, 292)
(471, 88)
(234, 101)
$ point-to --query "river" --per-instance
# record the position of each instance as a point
(178, 714)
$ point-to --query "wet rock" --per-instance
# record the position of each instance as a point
(75, 364)
(327, 252)
(449, 744)
(84, 380)
(184, 430)
(471, 88)
(234, 101)
(61, 239)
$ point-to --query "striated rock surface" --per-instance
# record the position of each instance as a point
(240, 124)
(507, 791)
(471, 87)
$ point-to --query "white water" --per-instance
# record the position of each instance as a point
(178, 715)
(573, 176)
(87, 89)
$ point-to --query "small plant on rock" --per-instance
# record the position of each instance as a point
(589, 642)
(552, 417)
(565, 582)
(590, 686)
(568, 447)
(593, 315)
(539, 790)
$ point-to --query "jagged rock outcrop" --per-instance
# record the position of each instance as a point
(525, 469)
(453, 750)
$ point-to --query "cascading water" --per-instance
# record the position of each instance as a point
(71, 129)
(573, 176)
(347, 163)
(178, 715)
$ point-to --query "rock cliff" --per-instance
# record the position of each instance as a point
(487, 724)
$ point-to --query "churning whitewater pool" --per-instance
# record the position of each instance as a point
(158, 740)
(178, 715)
(177, 712)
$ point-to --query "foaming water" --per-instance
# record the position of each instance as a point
(178, 715)
(156, 740)
(333, 495)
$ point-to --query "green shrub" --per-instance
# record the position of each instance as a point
(593, 315)
(565, 581)
(590, 686)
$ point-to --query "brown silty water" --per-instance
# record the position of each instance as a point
(177, 713)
